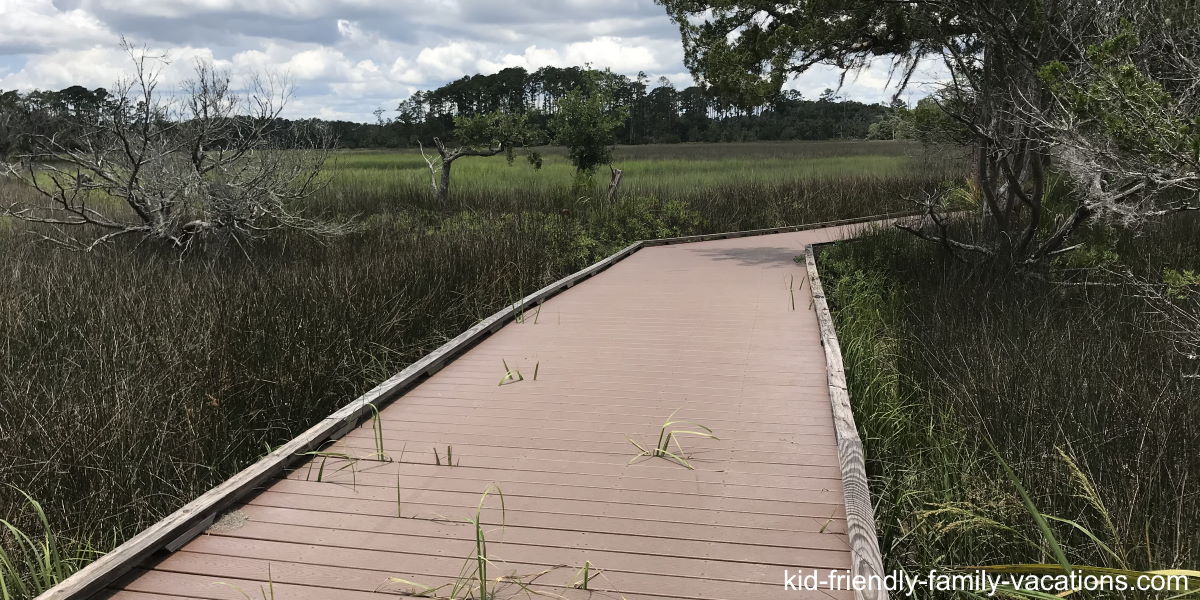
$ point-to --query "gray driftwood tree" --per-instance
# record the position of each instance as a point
(1104, 93)
(207, 161)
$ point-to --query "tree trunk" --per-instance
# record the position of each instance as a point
(443, 190)
(614, 184)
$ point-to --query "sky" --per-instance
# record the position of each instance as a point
(348, 57)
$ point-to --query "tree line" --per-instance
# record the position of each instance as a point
(205, 159)
(73, 114)
(659, 114)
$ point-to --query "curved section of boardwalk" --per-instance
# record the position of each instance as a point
(720, 331)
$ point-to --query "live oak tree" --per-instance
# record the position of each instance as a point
(485, 134)
(1105, 93)
(207, 162)
(585, 126)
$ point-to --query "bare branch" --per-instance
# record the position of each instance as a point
(207, 162)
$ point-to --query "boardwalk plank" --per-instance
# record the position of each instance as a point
(433, 477)
(758, 551)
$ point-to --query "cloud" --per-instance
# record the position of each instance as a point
(30, 26)
(316, 64)
(876, 83)
(604, 52)
(103, 66)
(347, 57)
(448, 60)
(175, 9)
(614, 53)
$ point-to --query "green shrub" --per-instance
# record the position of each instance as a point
(1179, 281)
(632, 218)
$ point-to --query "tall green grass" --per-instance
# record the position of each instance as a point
(730, 185)
(35, 559)
(1075, 386)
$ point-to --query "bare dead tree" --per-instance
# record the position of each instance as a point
(614, 183)
(179, 168)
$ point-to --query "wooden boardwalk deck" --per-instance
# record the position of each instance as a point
(721, 331)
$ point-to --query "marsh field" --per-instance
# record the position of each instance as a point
(1078, 382)
(132, 381)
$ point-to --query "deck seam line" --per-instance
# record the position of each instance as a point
(455, 558)
(660, 537)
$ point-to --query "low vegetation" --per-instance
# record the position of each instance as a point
(134, 378)
(1073, 382)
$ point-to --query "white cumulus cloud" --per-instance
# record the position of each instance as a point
(38, 25)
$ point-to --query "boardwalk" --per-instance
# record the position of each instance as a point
(722, 331)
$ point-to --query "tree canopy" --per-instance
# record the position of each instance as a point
(747, 50)
(586, 124)
(1103, 92)
(485, 134)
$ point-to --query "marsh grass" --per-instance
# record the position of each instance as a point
(320, 458)
(1177, 583)
(265, 592)
(377, 432)
(133, 380)
(793, 288)
(668, 434)
(521, 313)
(1081, 396)
(512, 375)
(584, 576)
(437, 458)
(473, 581)
(39, 558)
(729, 186)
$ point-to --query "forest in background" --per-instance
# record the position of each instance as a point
(658, 114)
